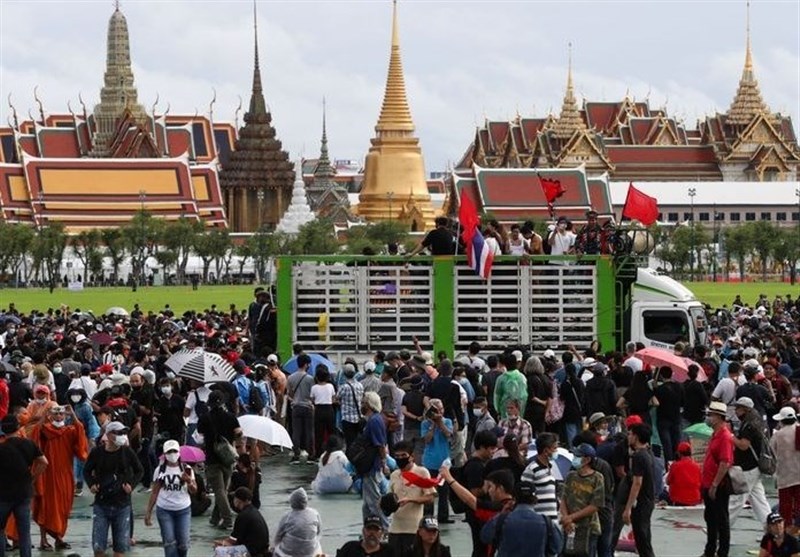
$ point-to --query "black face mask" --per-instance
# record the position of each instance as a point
(402, 462)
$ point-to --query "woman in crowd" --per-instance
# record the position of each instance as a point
(322, 396)
(428, 542)
(332, 476)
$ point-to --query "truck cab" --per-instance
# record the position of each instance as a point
(663, 312)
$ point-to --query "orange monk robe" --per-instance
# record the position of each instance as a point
(55, 488)
(34, 415)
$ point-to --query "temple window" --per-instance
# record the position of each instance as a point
(766, 216)
(750, 216)
(672, 217)
(780, 217)
(704, 217)
(735, 217)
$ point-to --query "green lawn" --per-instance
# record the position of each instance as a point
(182, 298)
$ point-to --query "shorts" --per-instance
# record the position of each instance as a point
(116, 517)
(789, 504)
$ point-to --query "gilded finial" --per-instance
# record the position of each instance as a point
(116, 5)
(39, 102)
(569, 65)
(155, 104)
(748, 56)
(395, 113)
(13, 113)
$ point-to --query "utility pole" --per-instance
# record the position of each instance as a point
(692, 193)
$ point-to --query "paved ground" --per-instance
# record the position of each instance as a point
(674, 535)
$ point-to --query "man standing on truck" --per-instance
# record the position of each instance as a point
(440, 240)
(561, 239)
(592, 239)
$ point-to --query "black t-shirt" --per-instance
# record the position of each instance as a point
(695, 401)
(789, 547)
(216, 422)
(670, 400)
(109, 470)
(169, 412)
(440, 241)
(745, 458)
(758, 394)
(241, 479)
(16, 457)
(642, 465)
(505, 463)
(251, 530)
(355, 549)
(414, 401)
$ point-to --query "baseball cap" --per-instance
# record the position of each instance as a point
(745, 402)
(116, 428)
(172, 445)
(584, 449)
(786, 413)
(517, 355)
(272, 359)
(685, 448)
(373, 522)
(429, 523)
(774, 518)
(549, 354)
(633, 420)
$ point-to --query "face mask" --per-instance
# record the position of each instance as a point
(41, 400)
(56, 370)
(603, 432)
(477, 412)
(166, 390)
(75, 398)
(402, 462)
(12, 332)
(172, 458)
(121, 440)
(171, 374)
(577, 462)
(59, 423)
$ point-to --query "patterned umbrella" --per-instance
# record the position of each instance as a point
(206, 367)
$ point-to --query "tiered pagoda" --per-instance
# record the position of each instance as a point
(327, 197)
(394, 185)
(631, 141)
(97, 170)
(257, 178)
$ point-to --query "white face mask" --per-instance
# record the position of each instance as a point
(166, 390)
(75, 398)
(41, 400)
(57, 370)
(477, 412)
(59, 423)
(172, 458)
(121, 440)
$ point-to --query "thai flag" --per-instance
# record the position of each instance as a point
(479, 256)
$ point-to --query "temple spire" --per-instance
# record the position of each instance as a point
(569, 120)
(395, 113)
(324, 168)
(257, 103)
(748, 101)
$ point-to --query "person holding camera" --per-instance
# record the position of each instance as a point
(436, 431)
(173, 484)
(111, 471)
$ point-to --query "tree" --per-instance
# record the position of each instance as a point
(166, 258)
(243, 252)
(375, 236)
(765, 237)
(115, 249)
(263, 246)
(739, 243)
(86, 245)
(786, 251)
(142, 236)
(315, 238)
(15, 246)
(212, 247)
(179, 236)
(48, 250)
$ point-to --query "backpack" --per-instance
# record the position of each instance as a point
(257, 402)
(765, 458)
(556, 409)
(361, 454)
(200, 406)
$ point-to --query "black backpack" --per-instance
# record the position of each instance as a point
(257, 402)
(200, 406)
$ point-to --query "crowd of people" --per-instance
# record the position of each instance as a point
(545, 453)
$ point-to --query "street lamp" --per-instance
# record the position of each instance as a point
(716, 240)
(692, 193)
(142, 238)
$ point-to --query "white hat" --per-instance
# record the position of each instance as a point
(745, 402)
(517, 355)
(80, 338)
(588, 362)
(549, 355)
(786, 413)
(171, 445)
(272, 358)
(138, 370)
(428, 358)
(369, 366)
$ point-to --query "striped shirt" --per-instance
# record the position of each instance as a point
(545, 483)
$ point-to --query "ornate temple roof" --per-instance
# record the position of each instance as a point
(324, 168)
(395, 113)
(570, 119)
(258, 160)
(748, 101)
(299, 212)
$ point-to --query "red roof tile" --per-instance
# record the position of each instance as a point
(661, 155)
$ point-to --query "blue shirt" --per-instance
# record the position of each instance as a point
(438, 449)
(375, 432)
(524, 533)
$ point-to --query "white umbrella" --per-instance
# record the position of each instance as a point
(121, 312)
(206, 367)
(265, 429)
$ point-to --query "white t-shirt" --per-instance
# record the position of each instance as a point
(173, 494)
(634, 363)
(562, 243)
(518, 248)
(191, 401)
(322, 393)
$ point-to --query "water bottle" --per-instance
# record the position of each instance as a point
(447, 463)
(570, 546)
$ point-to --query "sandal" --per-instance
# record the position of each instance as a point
(45, 547)
(61, 544)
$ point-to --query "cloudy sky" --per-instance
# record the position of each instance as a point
(464, 60)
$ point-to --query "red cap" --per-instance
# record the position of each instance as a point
(106, 369)
(633, 420)
(684, 448)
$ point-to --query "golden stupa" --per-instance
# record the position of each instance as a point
(394, 186)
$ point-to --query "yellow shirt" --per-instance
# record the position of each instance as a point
(405, 520)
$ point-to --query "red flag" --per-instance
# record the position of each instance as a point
(552, 189)
(640, 206)
(467, 217)
(419, 481)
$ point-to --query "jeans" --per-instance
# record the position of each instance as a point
(77, 472)
(303, 429)
(571, 430)
(147, 458)
(371, 497)
(718, 527)
(756, 495)
(174, 530)
(218, 478)
(119, 519)
(604, 542)
(22, 514)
